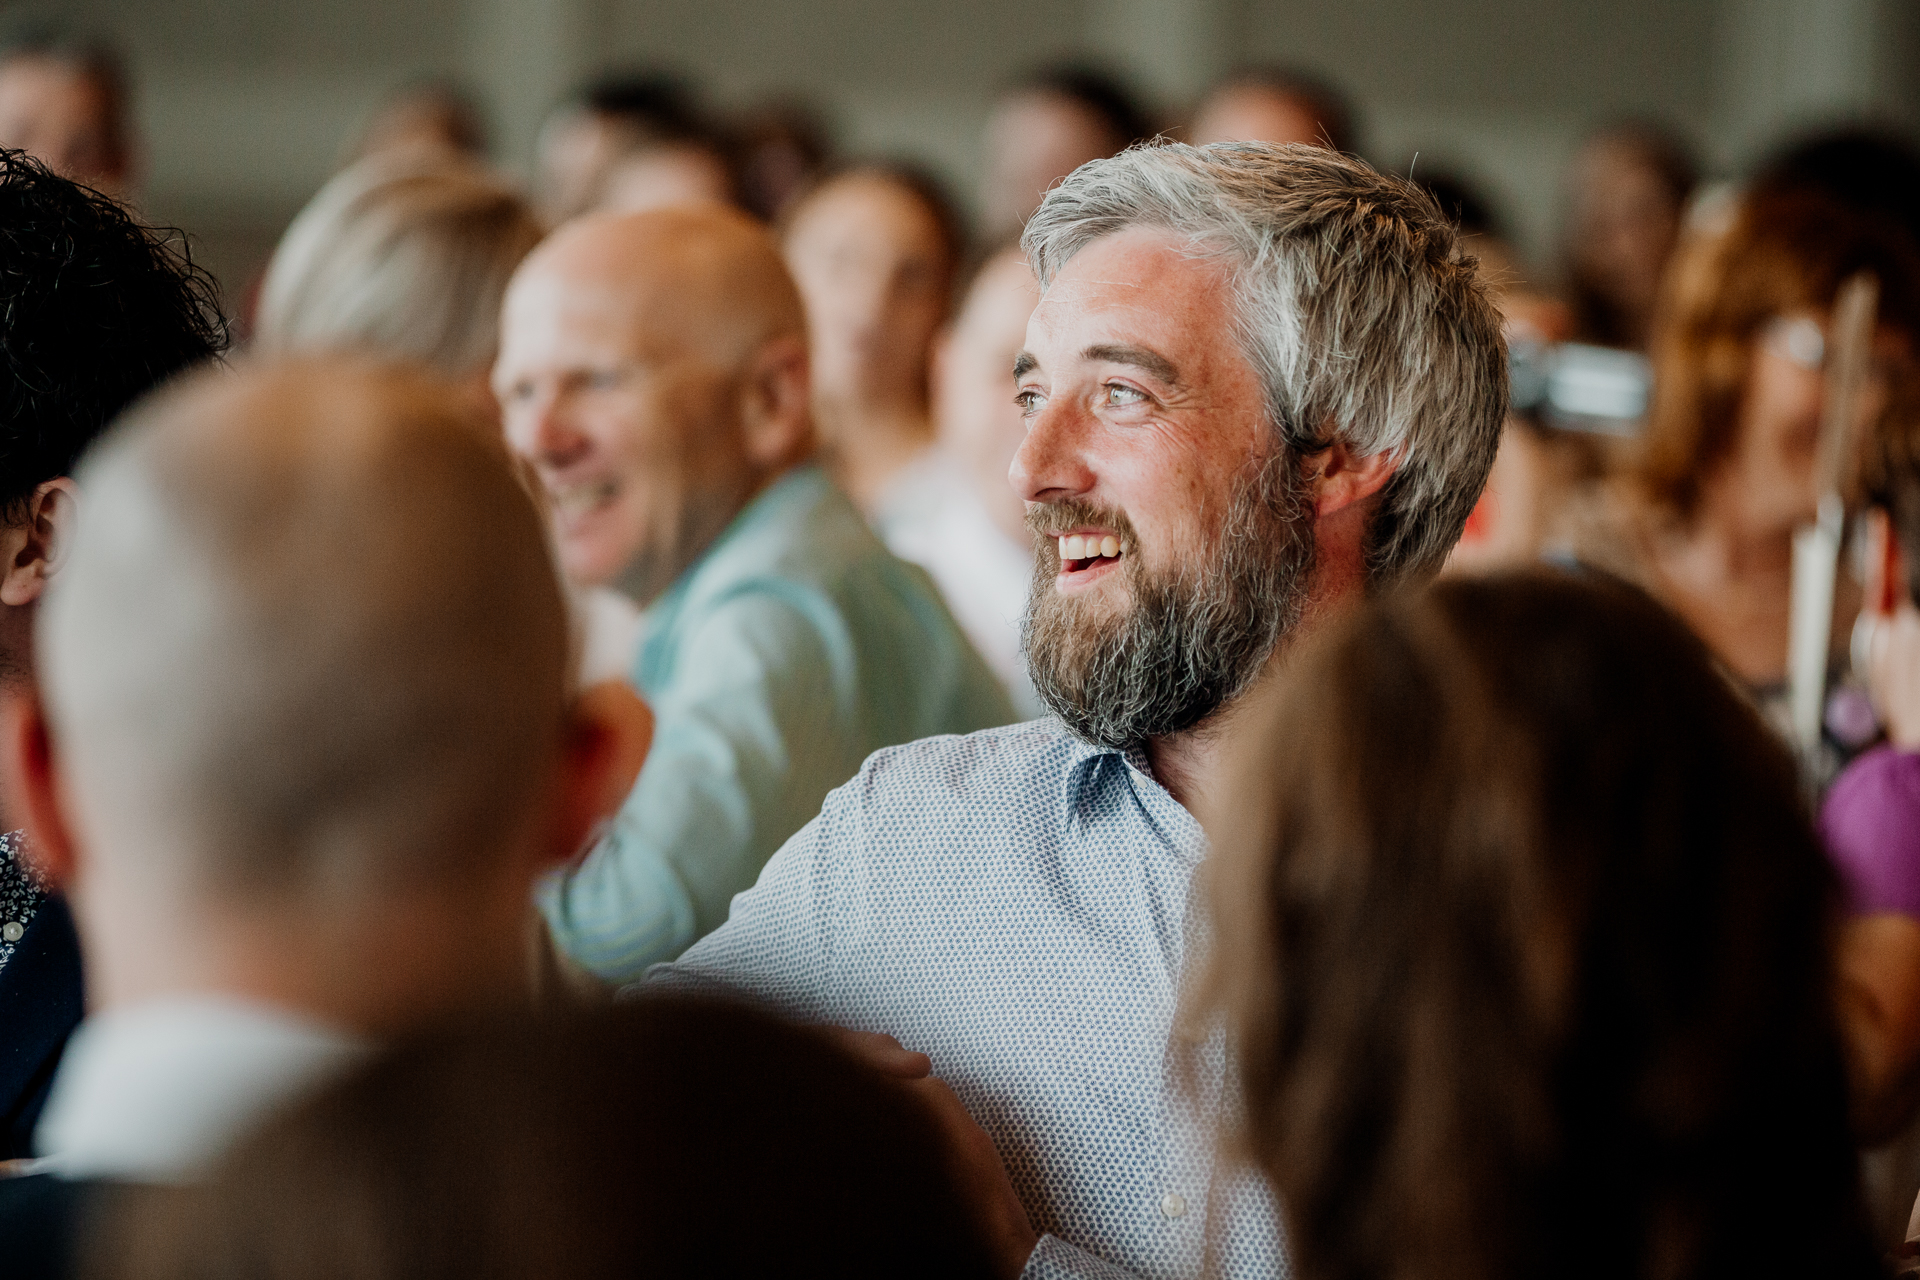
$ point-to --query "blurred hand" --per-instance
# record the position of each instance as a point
(973, 1161)
(1879, 962)
(883, 1053)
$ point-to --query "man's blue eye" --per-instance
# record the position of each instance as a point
(1118, 394)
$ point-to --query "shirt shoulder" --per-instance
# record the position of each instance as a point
(801, 533)
(802, 547)
(1011, 766)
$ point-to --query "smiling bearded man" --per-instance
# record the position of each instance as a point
(1261, 382)
(1195, 635)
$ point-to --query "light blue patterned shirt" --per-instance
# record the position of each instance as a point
(792, 649)
(1017, 904)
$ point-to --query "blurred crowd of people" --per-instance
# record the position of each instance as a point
(727, 711)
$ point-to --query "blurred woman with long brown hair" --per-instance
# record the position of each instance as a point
(1705, 518)
(1527, 951)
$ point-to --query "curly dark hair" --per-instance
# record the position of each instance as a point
(95, 309)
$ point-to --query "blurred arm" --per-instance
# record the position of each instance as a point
(1880, 1002)
(751, 733)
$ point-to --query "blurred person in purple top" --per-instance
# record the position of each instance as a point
(1870, 820)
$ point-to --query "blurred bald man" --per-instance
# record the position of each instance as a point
(653, 369)
(297, 756)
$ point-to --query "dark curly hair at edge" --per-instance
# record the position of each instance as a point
(95, 310)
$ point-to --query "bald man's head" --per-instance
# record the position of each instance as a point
(310, 642)
(705, 275)
(653, 369)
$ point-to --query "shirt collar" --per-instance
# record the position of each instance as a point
(1089, 766)
(761, 507)
(157, 1091)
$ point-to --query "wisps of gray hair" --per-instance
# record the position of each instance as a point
(1361, 313)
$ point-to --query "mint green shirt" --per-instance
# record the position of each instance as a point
(794, 648)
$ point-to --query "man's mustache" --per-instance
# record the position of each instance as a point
(1049, 520)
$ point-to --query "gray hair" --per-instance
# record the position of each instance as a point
(1357, 307)
(404, 258)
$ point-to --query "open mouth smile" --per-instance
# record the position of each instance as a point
(1088, 554)
(571, 502)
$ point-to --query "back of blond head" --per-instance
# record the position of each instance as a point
(311, 638)
(405, 258)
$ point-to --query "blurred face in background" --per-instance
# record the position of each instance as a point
(63, 116)
(875, 270)
(1033, 140)
(577, 150)
(976, 419)
(1253, 113)
(631, 420)
(1767, 481)
(1624, 220)
(664, 176)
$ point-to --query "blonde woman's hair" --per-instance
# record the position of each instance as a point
(402, 259)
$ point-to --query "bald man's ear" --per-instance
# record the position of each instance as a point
(33, 788)
(608, 734)
(774, 412)
(32, 551)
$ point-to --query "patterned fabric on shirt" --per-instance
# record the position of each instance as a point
(21, 894)
(1016, 904)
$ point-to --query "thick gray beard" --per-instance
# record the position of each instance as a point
(1193, 641)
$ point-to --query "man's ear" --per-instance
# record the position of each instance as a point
(36, 548)
(775, 415)
(608, 734)
(1886, 566)
(1337, 477)
(33, 788)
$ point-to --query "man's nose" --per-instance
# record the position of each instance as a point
(1050, 464)
(544, 431)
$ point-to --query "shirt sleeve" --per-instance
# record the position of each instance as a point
(776, 947)
(752, 731)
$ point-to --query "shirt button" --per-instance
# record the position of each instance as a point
(1173, 1205)
(12, 931)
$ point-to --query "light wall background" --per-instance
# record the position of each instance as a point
(245, 105)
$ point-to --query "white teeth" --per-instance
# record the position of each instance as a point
(582, 498)
(1074, 546)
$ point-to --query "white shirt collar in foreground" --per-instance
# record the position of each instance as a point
(156, 1092)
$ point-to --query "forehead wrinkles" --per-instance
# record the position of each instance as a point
(1175, 286)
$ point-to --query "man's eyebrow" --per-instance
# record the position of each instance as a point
(1024, 364)
(1152, 362)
